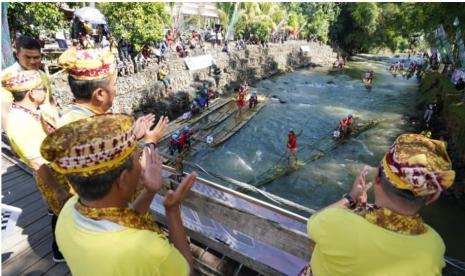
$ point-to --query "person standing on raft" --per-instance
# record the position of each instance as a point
(291, 146)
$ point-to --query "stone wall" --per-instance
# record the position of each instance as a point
(142, 92)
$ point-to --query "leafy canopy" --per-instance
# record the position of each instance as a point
(35, 18)
(138, 22)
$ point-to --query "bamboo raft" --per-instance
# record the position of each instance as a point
(220, 115)
(233, 125)
(319, 151)
(181, 122)
(227, 112)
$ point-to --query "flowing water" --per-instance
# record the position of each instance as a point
(316, 99)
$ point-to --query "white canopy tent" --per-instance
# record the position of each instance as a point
(206, 9)
(179, 10)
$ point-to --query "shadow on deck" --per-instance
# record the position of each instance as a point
(28, 250)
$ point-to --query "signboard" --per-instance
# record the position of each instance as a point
(305, 48)
(10, 217)
(199, 62)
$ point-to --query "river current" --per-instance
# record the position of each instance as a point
(315, 100)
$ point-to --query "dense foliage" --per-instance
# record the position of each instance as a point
(35, 18)
(355, 27)
(138, 22)
(258, 19)
(365, 27)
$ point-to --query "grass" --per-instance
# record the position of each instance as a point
(438, 88)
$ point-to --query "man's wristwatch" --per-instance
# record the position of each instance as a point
(351, 200)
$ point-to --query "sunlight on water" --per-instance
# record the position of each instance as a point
(315, 102)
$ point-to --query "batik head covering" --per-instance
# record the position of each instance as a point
(21, 81)
(89, 64)
(418, 164)
(91, 146)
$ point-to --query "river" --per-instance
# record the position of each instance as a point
(316, 99)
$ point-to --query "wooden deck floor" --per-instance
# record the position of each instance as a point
(28, 251)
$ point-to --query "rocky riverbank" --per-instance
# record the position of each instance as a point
(143, 92)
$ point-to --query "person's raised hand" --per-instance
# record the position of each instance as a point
(151, 169)
(174, 198)
(143, 124)
(360, 186)
(154, 135)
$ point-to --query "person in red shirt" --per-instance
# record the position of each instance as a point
(291, 146)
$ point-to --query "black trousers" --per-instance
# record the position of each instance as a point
(54, 241)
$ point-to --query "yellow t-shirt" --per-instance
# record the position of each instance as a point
(75, 112)
(102, 247)
(347, 244)
(25, 134)
(48, 111)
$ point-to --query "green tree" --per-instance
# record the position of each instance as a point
(138, 22)
(225, 11)
(366, 16)
(364, 27)
(258, 19)
(35, 18)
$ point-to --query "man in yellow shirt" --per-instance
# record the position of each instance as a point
(99, 156)
(389, 236)
(29, 57)
(26, 129)
(92, 79)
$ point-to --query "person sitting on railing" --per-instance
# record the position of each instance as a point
(100, 231)
(389, 237)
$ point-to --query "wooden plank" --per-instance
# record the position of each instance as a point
(18, 193)
(14, 255)
(58, 269)
(27, 238)
(18, 183)
(41, 266)
(11, 175)
(27, 258)
(180, 122)
(28, 200)
(7, 166)
(24, 224)
(261, 228)
(239, 121)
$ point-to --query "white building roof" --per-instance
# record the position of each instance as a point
(206, 9)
